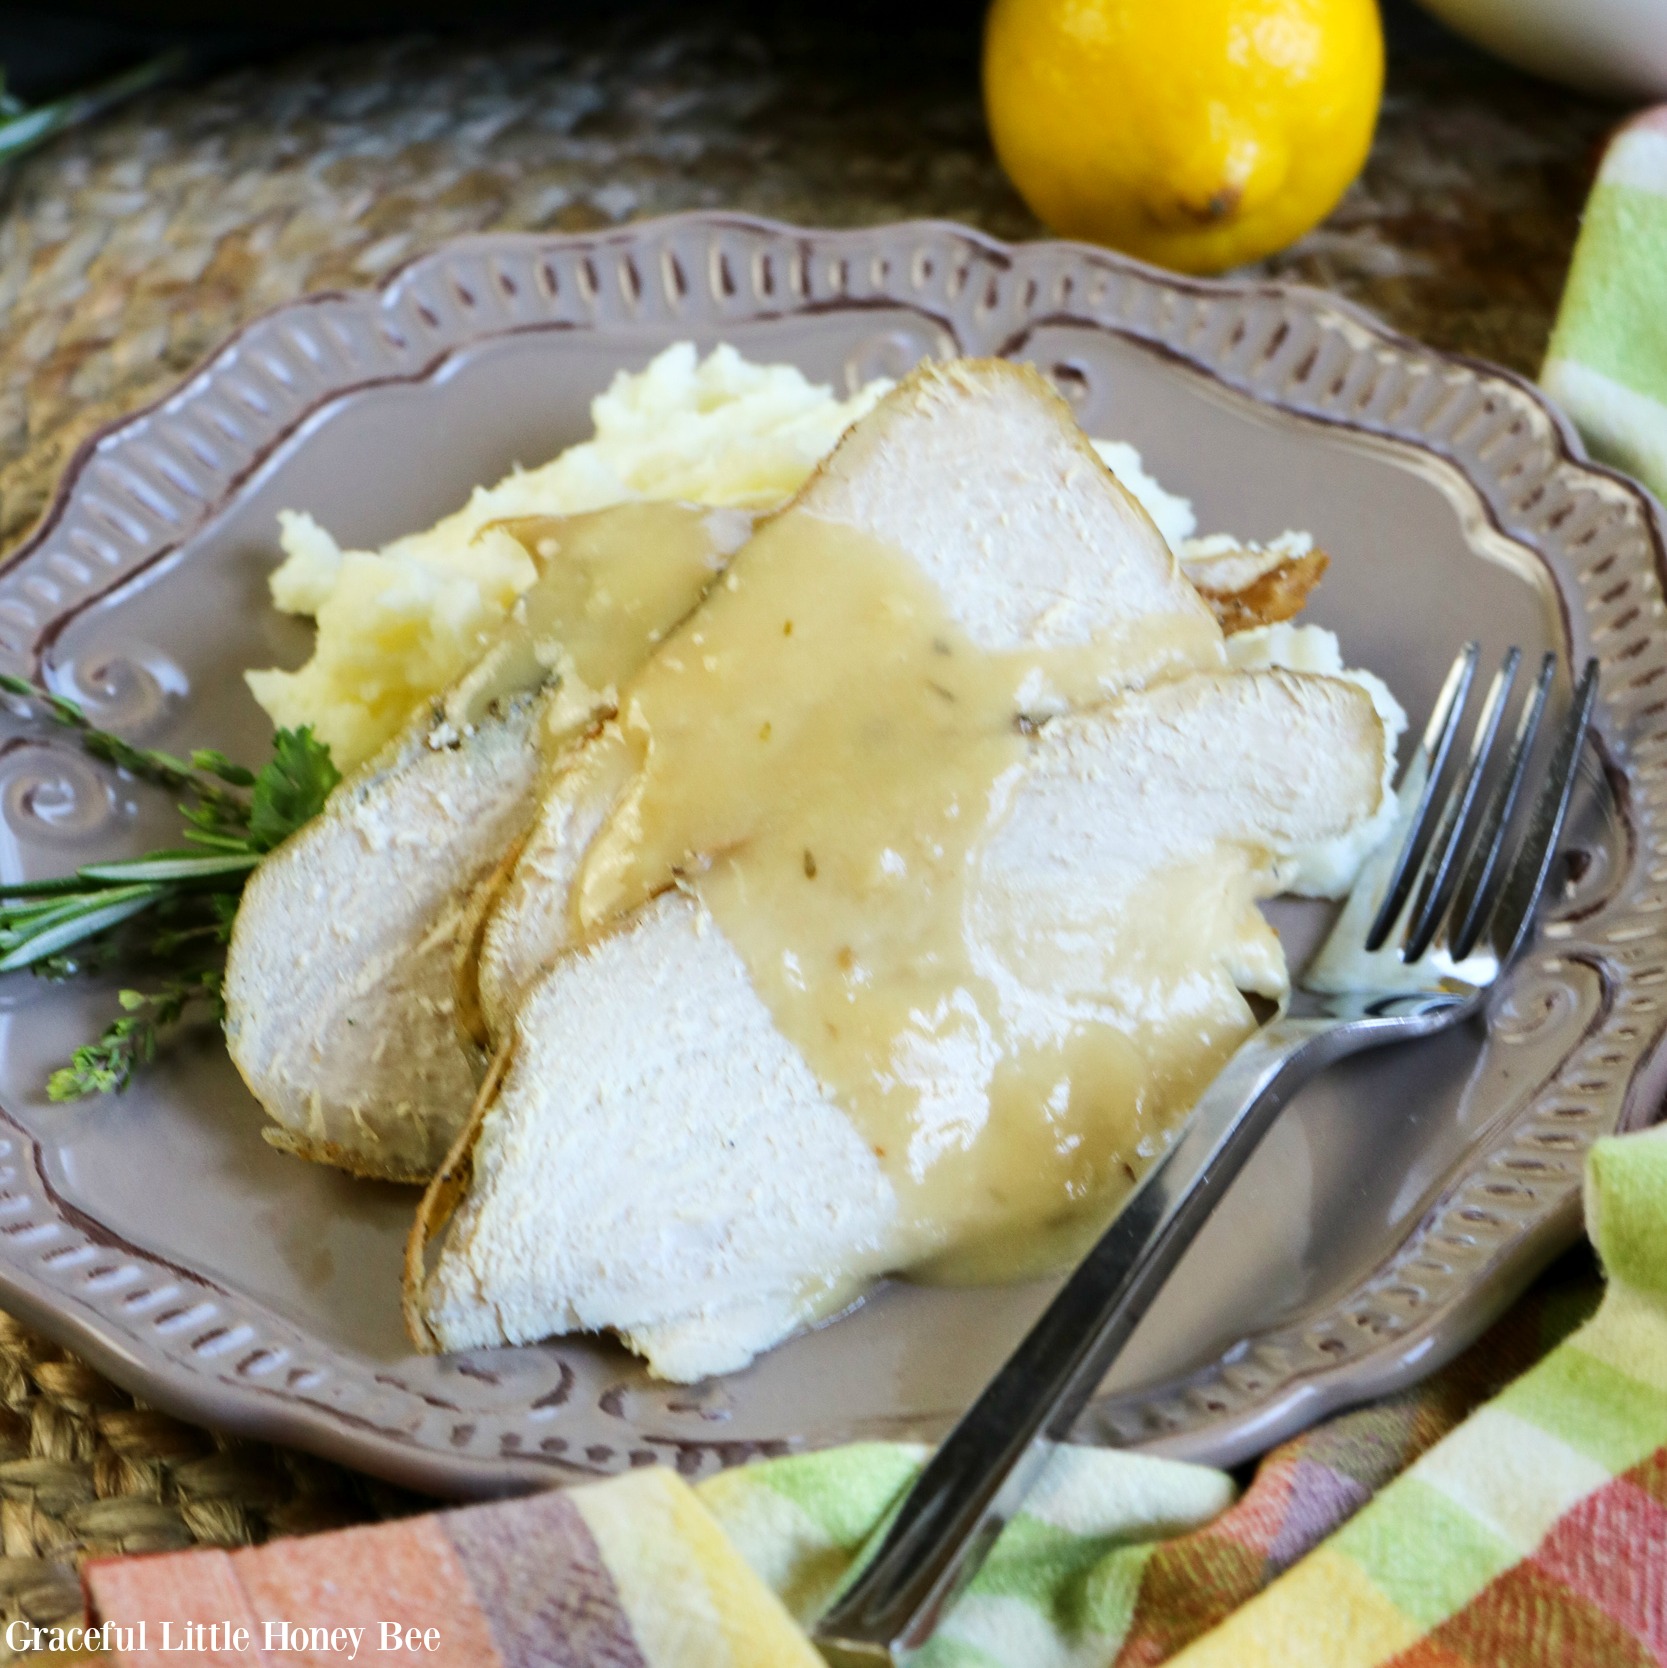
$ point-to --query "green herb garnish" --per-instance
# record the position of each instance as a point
(107, 1066)
(169, 910)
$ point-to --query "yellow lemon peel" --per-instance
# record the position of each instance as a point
(1197, 135)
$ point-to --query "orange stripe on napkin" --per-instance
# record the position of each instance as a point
(407, 1574)
(174, 1588)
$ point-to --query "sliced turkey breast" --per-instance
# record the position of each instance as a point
(339, 990)
(976, 471)
(341, 1007)
(360, 990)
(657, 1158)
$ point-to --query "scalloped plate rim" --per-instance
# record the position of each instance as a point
(278, 1416)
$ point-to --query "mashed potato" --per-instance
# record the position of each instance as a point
(397, 625)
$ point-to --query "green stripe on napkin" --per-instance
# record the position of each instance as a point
(1607, 364)
(1530, 1533)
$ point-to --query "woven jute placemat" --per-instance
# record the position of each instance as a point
(129, 250)
(85, 1470)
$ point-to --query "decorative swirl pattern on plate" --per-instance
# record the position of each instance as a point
(49, 794)
(892, 354)
(129, 693)
(142, 489)
(1539, 999)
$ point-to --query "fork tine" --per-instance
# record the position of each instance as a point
(1524, 882)
(1475, 897)
(1430, 758)
(1441, 874)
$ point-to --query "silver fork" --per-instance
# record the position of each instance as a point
(1432, 922)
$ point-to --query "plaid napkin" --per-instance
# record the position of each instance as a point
(1535, 1530)
(1510, 1512)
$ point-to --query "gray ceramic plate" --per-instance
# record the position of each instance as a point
(1401, 1203)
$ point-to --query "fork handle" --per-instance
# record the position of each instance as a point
(988, 1464)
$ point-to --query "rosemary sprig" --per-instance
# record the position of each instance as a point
(167, 905)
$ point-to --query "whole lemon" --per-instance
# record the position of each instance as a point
(1194, 133)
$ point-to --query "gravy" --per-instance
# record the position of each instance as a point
(822, 755)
